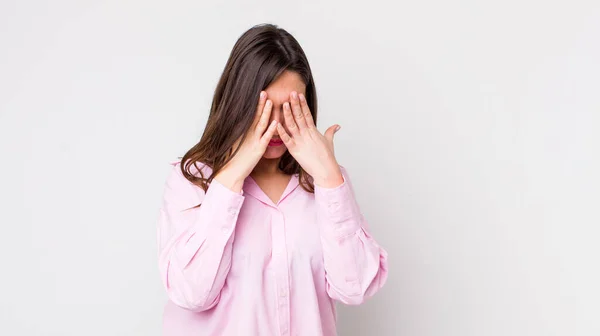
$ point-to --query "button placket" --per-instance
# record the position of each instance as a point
(280, 259)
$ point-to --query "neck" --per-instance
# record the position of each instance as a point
(266, 167)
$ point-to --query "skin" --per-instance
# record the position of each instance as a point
(282, 113)
(279, 92)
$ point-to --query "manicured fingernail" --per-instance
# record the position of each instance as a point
(268, 103)
(338, 128)
(262, 94)
(302, 97)
(294, 94)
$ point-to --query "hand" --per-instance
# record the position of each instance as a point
(252, 149)
(313, 150)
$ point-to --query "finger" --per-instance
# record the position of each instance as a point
(287, 140)
(264, 118)
(289, 120)
(330, 132)
(269, 133)
(262, 98)
(297, 111)
(310, 123)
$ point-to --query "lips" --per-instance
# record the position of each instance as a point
(275, 142)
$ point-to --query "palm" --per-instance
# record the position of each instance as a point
(313, 151)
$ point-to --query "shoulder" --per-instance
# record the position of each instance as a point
(194, 168)
(181, 192)
(176, 178)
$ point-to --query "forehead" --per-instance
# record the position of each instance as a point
(279, 90)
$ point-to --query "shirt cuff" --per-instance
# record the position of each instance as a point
(337, 209)
(223, 203)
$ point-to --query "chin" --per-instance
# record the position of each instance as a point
(274, 152)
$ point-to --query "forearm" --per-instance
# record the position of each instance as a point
(355, 265)
(195, 259)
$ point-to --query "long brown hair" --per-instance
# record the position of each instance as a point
(258, 57)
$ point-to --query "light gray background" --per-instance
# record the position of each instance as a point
(470, 129)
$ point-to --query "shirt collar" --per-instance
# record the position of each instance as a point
(251, 187)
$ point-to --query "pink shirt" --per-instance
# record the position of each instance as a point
(243, 265)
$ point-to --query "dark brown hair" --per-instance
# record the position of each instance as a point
(258, 57)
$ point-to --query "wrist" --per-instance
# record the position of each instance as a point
(331, 179)
(230, 179)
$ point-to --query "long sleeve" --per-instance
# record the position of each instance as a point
(355, 265)
(195, 244)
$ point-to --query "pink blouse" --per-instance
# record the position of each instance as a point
(242, 265)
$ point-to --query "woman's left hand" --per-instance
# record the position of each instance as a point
(313, 150)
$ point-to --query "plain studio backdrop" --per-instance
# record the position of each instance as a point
(470, 130)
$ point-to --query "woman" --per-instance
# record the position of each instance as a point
(259, 231)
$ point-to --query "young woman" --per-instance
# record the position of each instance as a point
(259, 230)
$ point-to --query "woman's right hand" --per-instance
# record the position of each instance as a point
(233, 174)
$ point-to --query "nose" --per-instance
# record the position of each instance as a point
(276, 114)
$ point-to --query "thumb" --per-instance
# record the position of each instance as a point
(331, 131)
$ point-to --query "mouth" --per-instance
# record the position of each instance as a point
(275, 142)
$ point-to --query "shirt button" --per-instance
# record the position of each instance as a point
(225, 230)
(233, 211)
(282, 292)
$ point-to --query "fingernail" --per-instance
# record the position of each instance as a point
(294, 94)
(338, 128)
(262, 94)
(301, 96)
